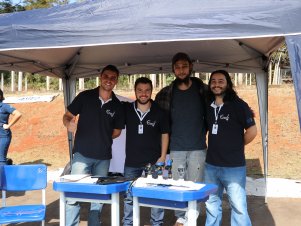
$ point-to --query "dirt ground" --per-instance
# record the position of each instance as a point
(40, 137)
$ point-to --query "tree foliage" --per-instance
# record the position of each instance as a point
(6, 6)
(37, 4)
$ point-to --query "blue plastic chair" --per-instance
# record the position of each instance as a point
(23, 178)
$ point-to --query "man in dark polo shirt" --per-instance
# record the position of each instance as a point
(231, 126)
(101, 119)
(147, 129)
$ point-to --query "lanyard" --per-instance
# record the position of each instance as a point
(216, 112)
(142, 116)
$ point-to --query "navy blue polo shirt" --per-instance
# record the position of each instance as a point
(144, 148)
(96, 123)
(5, 111)
(226, 148)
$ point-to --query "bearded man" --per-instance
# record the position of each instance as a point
(184, 100)
(147, 137)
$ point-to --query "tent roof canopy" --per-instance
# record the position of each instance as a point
(77, 40)
(148, 57)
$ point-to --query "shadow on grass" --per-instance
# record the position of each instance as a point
(254, 168)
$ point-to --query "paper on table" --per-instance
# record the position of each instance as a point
(173, 184)
(73, 177)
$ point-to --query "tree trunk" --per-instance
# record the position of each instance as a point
(25, 82)
(13, 81)
(2, 81)
(47, 83)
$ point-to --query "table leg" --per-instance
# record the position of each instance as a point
(192, 213)
(115, 209)
(62, 209)
(136, 212)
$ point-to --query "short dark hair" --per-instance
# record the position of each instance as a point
(180, 56)
(1, 96)
(110, 68)
(143, 80)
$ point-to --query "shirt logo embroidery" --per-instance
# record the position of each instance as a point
(148, 122)
(224, 117)
(110, 113)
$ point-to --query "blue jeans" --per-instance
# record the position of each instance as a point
(84, 165)
(233, 179)
(4, 145)
(157, 214)
(193, 161)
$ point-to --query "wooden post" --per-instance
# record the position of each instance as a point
(12, 81)
(81, 83)
(60, 84)
(20, 78)
(2, 81)
(153, 78)
(235, 79)
(164, 80)
(25, 82)
(207, 78)
(250, 79)
(47, 83)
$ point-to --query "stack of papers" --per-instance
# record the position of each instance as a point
(168, 183)
(79, 178)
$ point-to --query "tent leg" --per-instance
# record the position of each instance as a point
(262, 94)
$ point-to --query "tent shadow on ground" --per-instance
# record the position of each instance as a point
(254, 168)
(259, 213)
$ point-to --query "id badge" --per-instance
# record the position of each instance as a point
(214, 129)
(140, 129)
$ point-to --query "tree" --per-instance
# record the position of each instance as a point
(36, 4)
(279, 59)
(6, 6)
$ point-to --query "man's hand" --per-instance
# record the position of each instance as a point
(72, 125)
(69, 122)
(161, 159)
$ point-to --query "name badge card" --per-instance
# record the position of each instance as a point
(214, 129)
(140, 129)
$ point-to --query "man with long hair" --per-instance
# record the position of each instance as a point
(231, 126)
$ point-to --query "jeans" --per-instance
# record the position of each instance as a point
(4, 145)
(233, 179)
(84, 165)
(157, 214)
(193, 161)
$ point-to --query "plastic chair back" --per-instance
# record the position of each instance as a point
(23, 178)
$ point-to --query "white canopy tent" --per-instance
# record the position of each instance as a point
(141, 36)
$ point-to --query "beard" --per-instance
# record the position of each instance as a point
(185, 80)
(222, 93)
(143, 102)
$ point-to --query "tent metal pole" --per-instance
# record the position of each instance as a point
(69, 94)
(262, 94)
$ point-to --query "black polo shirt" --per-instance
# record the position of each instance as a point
(226, 148)
(96, 123)
(144, 148)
